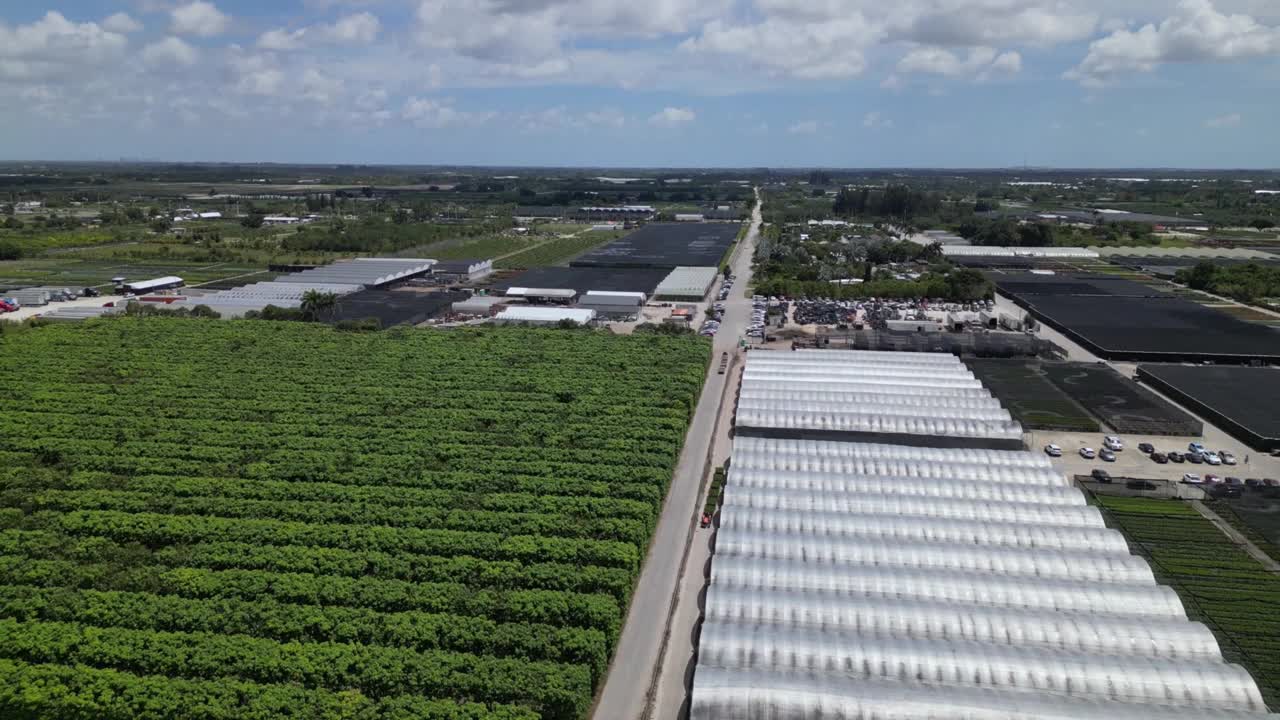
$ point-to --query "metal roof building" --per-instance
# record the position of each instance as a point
(687, 282)
(544, 315)
(283, 294)
(939, 580)
(367, 272)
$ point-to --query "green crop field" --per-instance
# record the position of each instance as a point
(257, 520)
(1220, 584)
(1030, 397)
(560, 250)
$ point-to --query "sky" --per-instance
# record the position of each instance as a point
(646, 83)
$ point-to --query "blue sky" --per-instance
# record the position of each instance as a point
(849, 83)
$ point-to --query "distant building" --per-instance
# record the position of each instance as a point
(462, 270)
(690, 217)
(280, 220)
(545, 315)
(168, 282)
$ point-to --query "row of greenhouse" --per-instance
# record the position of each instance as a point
(890, 562)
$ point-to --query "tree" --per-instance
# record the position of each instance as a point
(253, 220)
(967, 284)
(161, 224)
(317, 305)
(10, 251)
(1199, 277)
(1262, 224)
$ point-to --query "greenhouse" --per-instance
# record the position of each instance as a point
(843, 484)
(821, 525)
(948, 585)
(952, 662)
(893, 504)
(880, 557)
(755, 695)
(895, 617)
(1032, 562)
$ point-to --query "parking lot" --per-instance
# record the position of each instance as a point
(1130, 462)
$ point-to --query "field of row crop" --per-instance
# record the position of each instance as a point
(1220, 584)
(264, 520)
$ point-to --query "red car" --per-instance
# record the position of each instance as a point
(6, 307)
(706, 520)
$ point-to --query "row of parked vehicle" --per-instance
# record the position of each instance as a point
(725, 287)
(759, 316)
(1196, 454)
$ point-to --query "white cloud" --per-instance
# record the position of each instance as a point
(804, 127)
(780, 47)
(981, 63)
(1196, 32)
(282, 39)
(607, 117)
(359, 29)
(438, 114)
(672, 117)
(54, 47)
(170, 51)
(1231, 120)
(121, 23)
(199, 18)
(876, 121)
(968, 23)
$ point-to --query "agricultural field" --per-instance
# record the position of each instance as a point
(261, 520)
(558, 251)
(1220, 585)
(1030, 397)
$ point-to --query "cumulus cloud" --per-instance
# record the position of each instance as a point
(429, 113)
(199, 18)
(672, 117)
(1196, 32)
(359, 29)
(804, 127)
(54, 47)
(782, 47)
(981, 63)
(1231, 120)
(121, 23)
(170, 51)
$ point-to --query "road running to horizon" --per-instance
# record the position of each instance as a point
(629, 687)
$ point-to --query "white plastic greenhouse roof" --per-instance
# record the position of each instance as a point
(687, 282)
(368, 272)
(722, 694)
(1040, 252)
(880, 581)
(820, 525)
(919, 619)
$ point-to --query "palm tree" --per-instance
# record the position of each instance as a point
(317, 305)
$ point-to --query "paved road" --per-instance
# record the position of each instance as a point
(627, 689)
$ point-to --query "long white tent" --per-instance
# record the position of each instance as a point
(862, 577)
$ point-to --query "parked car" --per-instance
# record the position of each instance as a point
(1212, 459)
(1107, 456)
(1113, 443)
(6, 307)
(1176, 457)
(1147, 448)
(1226, 491)
(1052, 450)
(1230, 480)
(1140, 485)
(1253, 483)
(91, 292)
(1211, 479)
(1159, 458)
(1192, 478)
(1195, 458)
(1227, 458)
(1100, 475)
(1196, 447)
(706, 520)
(1088, 453)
